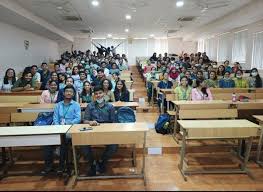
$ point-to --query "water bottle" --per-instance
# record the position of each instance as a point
(234, 97)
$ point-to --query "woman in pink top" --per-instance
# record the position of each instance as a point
(50, 95)
(201, 92)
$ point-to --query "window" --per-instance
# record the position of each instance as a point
(240, 46)
(201, 45)
(257, 58)
(211, 48)
(161, 46)
(224, 51)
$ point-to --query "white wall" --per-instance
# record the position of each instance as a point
(13, 53)
(177, 46)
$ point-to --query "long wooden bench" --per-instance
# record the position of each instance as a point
(19, 99)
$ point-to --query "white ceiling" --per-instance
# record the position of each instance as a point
(148, 16)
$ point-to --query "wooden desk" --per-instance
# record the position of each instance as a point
(217, 129)
(105, 134)
(28, 136)
(260, 120)
(22, 93)
(38, 108)
(6, 109)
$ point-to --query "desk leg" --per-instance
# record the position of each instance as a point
(143, 160)
(247, 154)
(182, 154)
(75, 166)
(152, 94)
(162, 105)
(259, 145)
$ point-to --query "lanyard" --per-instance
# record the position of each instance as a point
(65, 111)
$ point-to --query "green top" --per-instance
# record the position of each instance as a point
(241, 83)
(86, 98)
(22, 83)
(211, 83)
(182, 93)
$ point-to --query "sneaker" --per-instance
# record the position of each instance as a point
(92, 171)
(101, 168)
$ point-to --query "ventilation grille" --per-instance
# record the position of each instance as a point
(72, 18)
(172, 31)
(86, 31)
(183, 19)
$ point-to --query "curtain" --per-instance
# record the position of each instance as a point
(161, 46)
(240, 46)
(224, 51)
(211, 48)
(201, 45)
(257, 58)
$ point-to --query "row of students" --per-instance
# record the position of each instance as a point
(68, 112)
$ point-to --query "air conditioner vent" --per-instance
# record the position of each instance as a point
(72, 18)
(183, 19)
(86, 31)
(172, 31)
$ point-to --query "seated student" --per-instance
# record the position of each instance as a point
(174, 73)
(254, 80)
(86, 94)
(183, 91)
(107, 87)
(66, 112)
(99, 78)
(226, 82)
(53, 77)
(98, 112)
(164, 84)
(114, 78)
(121, 93)
(57, 68)
(62, 80)
(123, 65)
(149, 66)
(236, 67)
(50, 95)
(36, 76)
(212, 81)
(25, 83)
(75, 73)
(68, 71)
(45, 75)
(106, 71)
(9, 80)
(194, 72)
(79, 83)
(199, 76)
(183, 71)
(149, 76)
(227, 67)
(240, 82)
(114, 69)
(69, 82)
(201, 92)
(220, 72)
(189, 77)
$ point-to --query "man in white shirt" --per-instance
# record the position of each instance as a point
(36, 76)
(106, 70)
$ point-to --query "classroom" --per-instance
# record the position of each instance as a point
(131, 95)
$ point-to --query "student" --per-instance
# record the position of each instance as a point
(149, 66)
(227, 67)
(86, 94)
(50, 95)
(69, 82)
(45, 75)
(236, 67)
(212, 82)
(75, 73)
(66, 112)
(174, 73)
(199, 76)
(79, 83)
(220, 72)
(99, 78)
(57, 68)
(36, 76)
(25, 83)
(183, 91)
(114, 69)
(114, 78)
(240, 82)
(254, 80)
(62, 80)
(53, 77)
(106, 71)
(189, 77)
(226, 82)
(9, 80)
(149, 76)
(107, 87)
(164, 84)
(121, 93)
(201, 92)
(98, 112)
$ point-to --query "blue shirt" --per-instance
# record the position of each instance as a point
(71, 113)
(106, 114)
(79, 85)
(124, 97)
(165, 85)
(228, 69)
(226, 83)
(61, 95)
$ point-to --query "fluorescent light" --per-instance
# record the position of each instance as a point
(59, 8)
(128, 17)
(179, 3)
(109, 35)
(152, 35)
(95, 3)
(126, 30)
